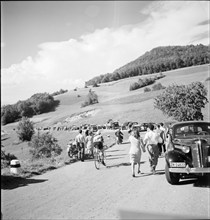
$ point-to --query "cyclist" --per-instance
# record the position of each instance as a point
(98, 144)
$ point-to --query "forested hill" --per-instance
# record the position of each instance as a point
(157, 60)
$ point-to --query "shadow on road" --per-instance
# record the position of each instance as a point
(197, 182)
(160, 172)
(112, 151)
(118, 165)
(115, 155)
(143, 175)
(113, 158)
(12, 182)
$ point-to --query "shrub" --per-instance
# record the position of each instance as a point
(44, 146)
(142, 83)
(158, 86)
(183, 102)
(134, 86)
(147, 89)
(6, 158)
(208, 78)
(25, 129)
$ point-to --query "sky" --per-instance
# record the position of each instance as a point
(51, 45)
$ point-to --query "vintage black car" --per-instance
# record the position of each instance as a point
(188, 150)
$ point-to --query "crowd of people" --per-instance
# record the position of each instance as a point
(154, 142)
(88, 142)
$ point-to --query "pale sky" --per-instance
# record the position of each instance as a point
(51, 45)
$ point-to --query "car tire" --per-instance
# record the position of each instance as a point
(172, 178)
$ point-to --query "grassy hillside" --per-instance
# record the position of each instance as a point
(115, 102)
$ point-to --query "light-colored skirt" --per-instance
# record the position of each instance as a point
(135, 158)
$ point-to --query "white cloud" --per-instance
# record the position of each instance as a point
(70, 63)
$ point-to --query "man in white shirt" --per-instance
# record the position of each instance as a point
(80, 141)
(151, 141)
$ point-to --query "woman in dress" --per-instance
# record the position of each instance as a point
(135, 150)
(89, 143)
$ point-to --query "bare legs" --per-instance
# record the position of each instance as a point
(133, 168)
(139, 168)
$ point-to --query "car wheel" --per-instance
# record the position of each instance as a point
(172, 178)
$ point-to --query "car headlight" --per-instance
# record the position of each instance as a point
(185, 149)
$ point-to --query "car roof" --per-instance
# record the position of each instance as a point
(190, 122)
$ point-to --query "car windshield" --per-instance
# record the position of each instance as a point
(193, 129)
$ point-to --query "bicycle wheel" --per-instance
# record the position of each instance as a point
(97, 161)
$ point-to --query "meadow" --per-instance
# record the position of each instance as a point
(115, 102)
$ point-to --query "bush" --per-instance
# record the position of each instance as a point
(147, 89)
(134, 86)
(142, 83)
(158, 86)
(6, 158)
(207, 79)
(44, 146)
(25, 129)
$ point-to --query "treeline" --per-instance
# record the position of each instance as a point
(159, 59)
(61, 91)
(35, 105)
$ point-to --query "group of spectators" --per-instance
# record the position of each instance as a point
(154, 142)
(88, 142)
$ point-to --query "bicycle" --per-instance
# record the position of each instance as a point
(98, 158)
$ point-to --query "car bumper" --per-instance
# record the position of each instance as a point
(188, 170)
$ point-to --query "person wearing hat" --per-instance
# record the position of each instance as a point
(98, 144)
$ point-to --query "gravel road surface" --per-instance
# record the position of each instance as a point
(79, 191)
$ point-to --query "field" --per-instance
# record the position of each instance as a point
(115, 102)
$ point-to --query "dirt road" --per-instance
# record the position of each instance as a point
(79, 191)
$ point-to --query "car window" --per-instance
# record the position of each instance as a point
(191, 129)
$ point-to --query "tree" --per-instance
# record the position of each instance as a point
(9, 114)
(25, 129)
(24, 108)
(183, 102)
(91, 99)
